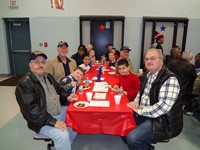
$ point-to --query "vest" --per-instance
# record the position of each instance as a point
(170, 124)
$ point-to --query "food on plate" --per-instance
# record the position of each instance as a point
(86, 85)
(80, 105)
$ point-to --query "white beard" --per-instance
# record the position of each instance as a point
(63, 54)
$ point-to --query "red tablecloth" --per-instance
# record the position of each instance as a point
(115, 120)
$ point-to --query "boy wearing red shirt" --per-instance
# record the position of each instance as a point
(129, 81)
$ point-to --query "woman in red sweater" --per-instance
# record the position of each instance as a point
(127, 80)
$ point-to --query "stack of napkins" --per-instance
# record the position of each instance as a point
(101, 87)
(95, 103)
(99, 96)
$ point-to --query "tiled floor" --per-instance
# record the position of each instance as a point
(8, 104)
(16, 136)
(3, 78)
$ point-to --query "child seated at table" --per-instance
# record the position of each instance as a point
(71, 82)
(112, 60)
(86, 62)
(127, 80)
(92, 57)
(116, 53)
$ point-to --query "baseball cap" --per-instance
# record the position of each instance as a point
(125, 48)
(60, 43)
(35, 54)
(81, 48)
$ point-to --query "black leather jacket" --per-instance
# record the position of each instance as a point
(186, 73)
(170, 124)
(31, 98)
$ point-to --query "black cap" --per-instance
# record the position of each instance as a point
(35, 54)
(125, 48)
(81, 48)
(61, 43)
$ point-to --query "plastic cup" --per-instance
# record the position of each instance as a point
(140, 70)
(80, 89)
(117, 99)
(89, 96)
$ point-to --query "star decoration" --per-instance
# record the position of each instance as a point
(162, 28)
(101, 27)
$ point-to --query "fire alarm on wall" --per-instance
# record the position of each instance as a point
(45, 44)
(13, 4)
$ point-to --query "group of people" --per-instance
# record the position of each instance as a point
(188, 73)
(46, 90)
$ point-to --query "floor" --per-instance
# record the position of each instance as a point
(16, 136)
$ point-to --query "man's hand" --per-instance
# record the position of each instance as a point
(72, 97)
(139, 74)
(61, 125)
(115, 88)
(73, 83)
(134, 106)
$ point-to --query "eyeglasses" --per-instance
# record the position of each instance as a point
(151, 58)
(39, 62)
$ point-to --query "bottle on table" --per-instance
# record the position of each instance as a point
(80, 89)
(87, 80)
(121, 91)
(99, 74)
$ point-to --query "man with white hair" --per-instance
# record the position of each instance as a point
(157, 106)
(89, 48)
(185, 71)
(41, 100)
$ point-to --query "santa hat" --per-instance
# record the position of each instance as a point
(158, 35)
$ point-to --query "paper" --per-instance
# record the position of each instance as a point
(111, 73)
(97, 103)
(99, 96)
(100, 87)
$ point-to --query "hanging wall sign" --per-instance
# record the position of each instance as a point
(13, 4)
(58, 4)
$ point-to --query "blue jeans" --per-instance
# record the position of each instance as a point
(140, 137)
(62, 139)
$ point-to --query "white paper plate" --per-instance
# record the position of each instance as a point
(95, 78)
(90, 81)
(111, 73)
(86, 104)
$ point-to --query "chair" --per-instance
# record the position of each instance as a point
(151, 147)
(44, 138)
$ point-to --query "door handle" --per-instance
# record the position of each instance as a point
(21, 51)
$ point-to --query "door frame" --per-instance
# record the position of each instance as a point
(101, 18)
(7, 22)
(174, 20)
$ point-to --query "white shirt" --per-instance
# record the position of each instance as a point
(86, 68)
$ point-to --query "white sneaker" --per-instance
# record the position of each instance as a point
(189, 113)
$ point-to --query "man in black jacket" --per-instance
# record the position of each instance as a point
(185, 71)
(157, 106)
(40, 99)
